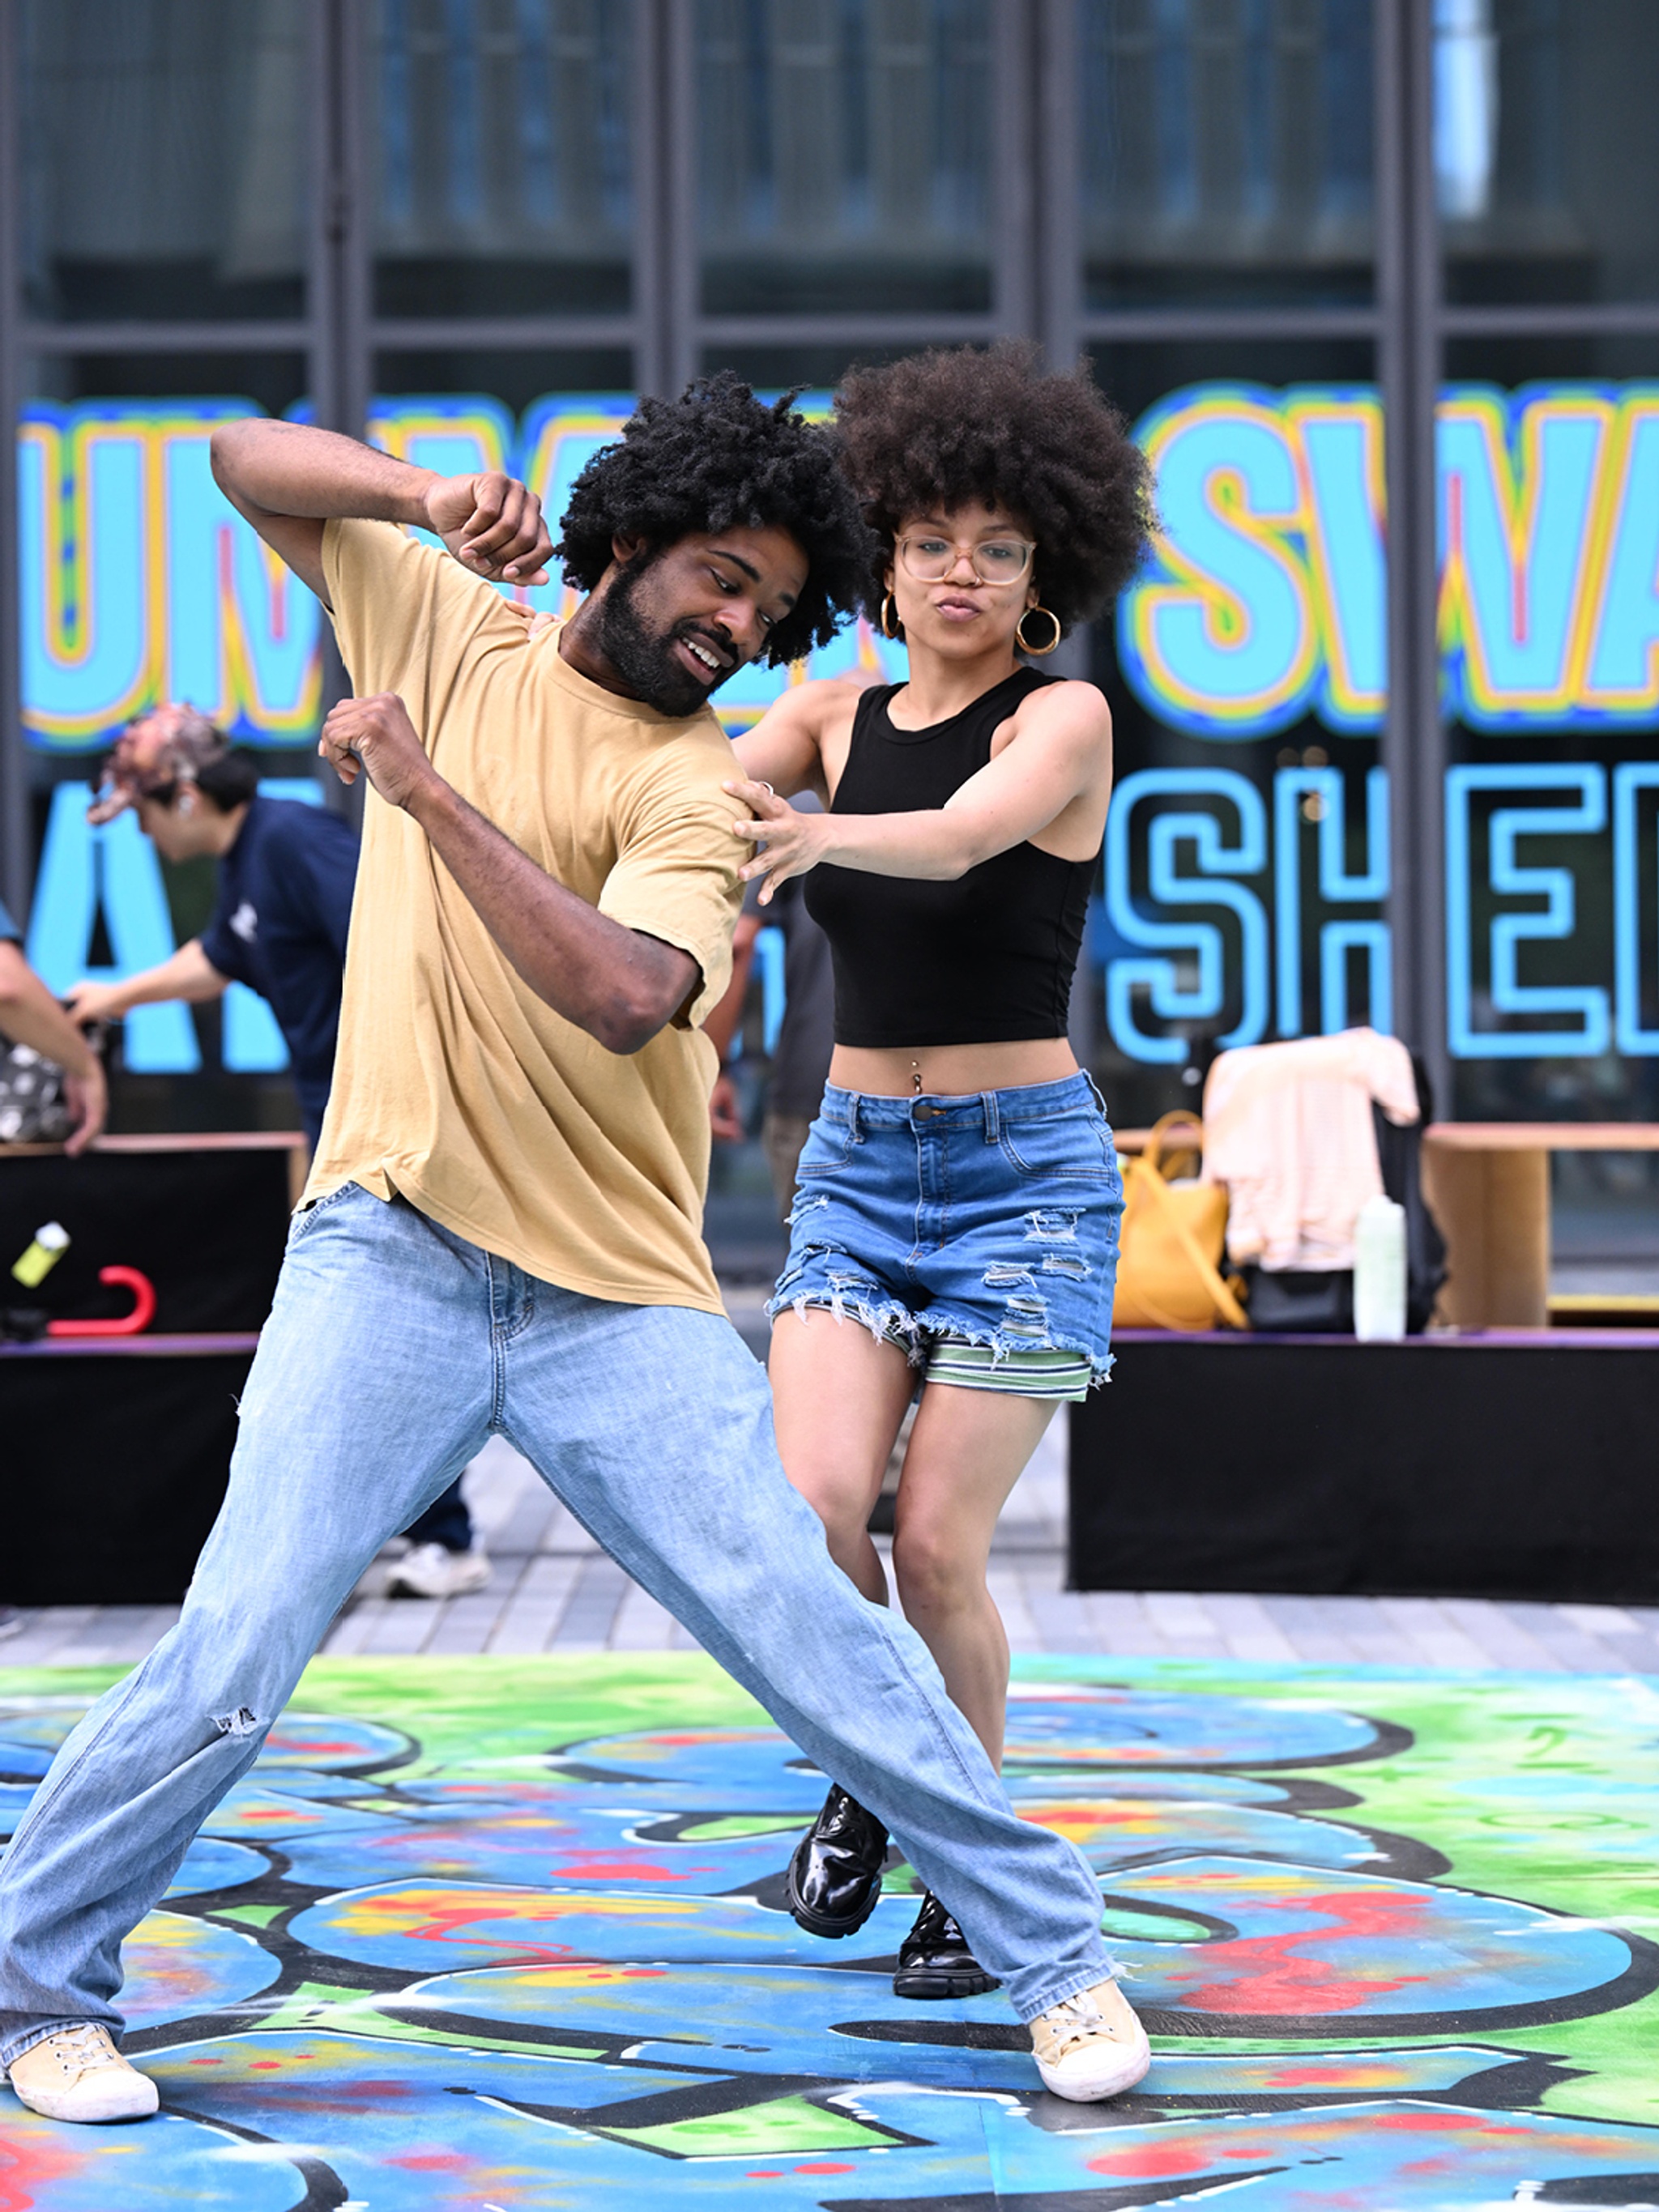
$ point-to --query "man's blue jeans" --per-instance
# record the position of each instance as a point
(392, 1350)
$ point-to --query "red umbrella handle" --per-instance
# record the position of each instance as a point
(143, 1308)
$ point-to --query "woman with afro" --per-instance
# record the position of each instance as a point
(958, 1197)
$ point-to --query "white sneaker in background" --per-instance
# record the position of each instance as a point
(78, 2074)
(433, 1570)
(1090, 2045)
(11, 1622)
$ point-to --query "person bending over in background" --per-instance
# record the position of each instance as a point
(500, 1235)
(958, 1197)
(286, 874)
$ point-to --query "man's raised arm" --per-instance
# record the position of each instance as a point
(287, 479)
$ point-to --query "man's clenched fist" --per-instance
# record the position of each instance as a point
(376, 734)
(493, 524)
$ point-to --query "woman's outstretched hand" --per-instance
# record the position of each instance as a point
(788, 842)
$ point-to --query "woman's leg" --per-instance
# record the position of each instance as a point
(839, 1394)
(967, 1451)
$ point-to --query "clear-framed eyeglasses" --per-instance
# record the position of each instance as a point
(930, 557)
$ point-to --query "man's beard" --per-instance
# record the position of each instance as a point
(645, 658)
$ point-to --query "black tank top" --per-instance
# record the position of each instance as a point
(986, 959)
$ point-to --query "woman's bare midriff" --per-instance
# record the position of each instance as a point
(948, 1070)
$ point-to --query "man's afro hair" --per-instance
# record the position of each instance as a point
(718, 458)
(938, 430)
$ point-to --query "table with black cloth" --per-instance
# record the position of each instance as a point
(115, 1450)
(1502, 1463)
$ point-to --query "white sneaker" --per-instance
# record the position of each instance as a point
(1090, 2045)
(432, 1571)
(78, 2074)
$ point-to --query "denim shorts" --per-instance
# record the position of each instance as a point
(943, 1224)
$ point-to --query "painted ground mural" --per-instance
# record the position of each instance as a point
(509, 1936)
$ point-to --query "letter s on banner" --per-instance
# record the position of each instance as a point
(1205, 997)
(1220, 638)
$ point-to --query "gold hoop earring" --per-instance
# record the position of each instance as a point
(1038, 651)
(889, 627)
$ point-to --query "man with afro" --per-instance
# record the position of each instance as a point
(501, 1232)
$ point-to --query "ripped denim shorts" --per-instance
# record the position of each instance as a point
(979, 1233)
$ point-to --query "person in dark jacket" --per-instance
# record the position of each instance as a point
(287, 872)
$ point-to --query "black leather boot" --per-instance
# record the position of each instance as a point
(834, 1877)
(935, 1961)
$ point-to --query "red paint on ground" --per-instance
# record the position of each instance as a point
(1276, 1977)
(594, 1866)
(24, 2166)
(1153, 2161)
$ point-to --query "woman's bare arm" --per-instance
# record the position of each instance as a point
(1061, 751)
(785, 749)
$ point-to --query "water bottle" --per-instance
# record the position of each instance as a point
(1379, 1272)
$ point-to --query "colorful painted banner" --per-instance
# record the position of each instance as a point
(1266, 600)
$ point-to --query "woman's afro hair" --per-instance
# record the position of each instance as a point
(718, 458)
(939, 430)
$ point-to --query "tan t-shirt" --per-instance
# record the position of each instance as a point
(454, 1085)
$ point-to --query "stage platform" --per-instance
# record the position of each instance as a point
(1499, 1463)
(506, 1936)
(121, 1445)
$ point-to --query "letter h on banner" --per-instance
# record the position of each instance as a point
(1336, 887)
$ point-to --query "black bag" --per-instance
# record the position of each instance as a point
(1307, 1302)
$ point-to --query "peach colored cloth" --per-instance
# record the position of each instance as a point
(1287, 1129)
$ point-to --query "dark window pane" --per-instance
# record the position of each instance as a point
(163, 157)
(514, 380)
(843, 157)
(273, 381)
(1227, 150)
(821, 367)
(1547, 159)
(503, 173)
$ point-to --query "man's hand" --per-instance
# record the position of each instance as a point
(493, 524)
(724, 1115)
(88, 1098)
(790, 842)
(376, 734)
(95, 1002)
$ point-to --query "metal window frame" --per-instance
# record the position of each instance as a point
(1410, 351)
(1037, 292)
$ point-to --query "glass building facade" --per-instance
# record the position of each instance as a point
(1378, 280)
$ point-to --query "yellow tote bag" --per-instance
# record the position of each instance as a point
(1171, 1241)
